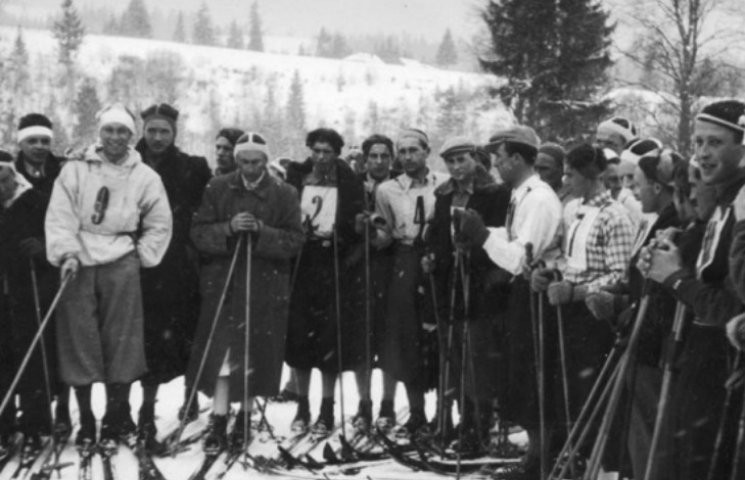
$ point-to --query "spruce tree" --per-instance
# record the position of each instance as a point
(447, 54)
(323, 47)
(85, 108)
(339, 47)
(19, 74)
(256, 36)
(552, 53)
(235, 36)
(204, 32)
(135, 21)
(179, 32)
(296, 104)
(69, 31)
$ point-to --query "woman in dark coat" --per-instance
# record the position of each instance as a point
(470, 187)
(331, 197)
(22, 249)
(253, 201)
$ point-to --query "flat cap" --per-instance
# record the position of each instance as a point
(456, 145)
(516, 134)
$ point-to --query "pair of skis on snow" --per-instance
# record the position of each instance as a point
(107, 451)
(50, 452)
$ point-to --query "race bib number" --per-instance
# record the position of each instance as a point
(579, 234)
(318, 207)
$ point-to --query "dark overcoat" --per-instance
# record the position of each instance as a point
(312, 338)
(170, 291)
(276, 204)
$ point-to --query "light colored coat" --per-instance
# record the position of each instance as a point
(137, 215)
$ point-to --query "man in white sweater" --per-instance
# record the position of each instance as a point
(108, 216)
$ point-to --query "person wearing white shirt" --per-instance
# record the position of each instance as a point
(533, 218)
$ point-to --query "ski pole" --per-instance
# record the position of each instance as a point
(593, 466)
(42, 326)
(44, 360)
(537, 358)
(564, 373)
(246, 346)
(368, 311)
(740, 445)
(337, 301)
(723, 423)
(676, 336)
(609, 366)
(542, 384)
(176, 437)
(451, 331)
(463, 358)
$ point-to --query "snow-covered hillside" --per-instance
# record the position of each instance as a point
(215, 87)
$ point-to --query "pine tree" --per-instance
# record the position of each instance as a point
(235, 36)
(135, 21)
(204, 32)
(85, 108)
(69, 31)
(447, 54)
(552, 53)
(19, 74)
(179, 33)
(296, 104)
(256, 36)
(323, 47)
(339, 47)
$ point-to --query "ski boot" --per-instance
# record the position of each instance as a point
(302, 417)
(386, 420)
(236, 434)
(362, 421)
(87, 432)
(325, 421)
(216, 439)
(147, 432)
(414, 426)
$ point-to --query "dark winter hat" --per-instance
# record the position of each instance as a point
(640, 148)
(230, 134)
(729, 114)
(588, 160)
(521, 134)
(555, 151)
(34, 124)
(325, 135)
(161, 111)
(661, 166)
(620, 126)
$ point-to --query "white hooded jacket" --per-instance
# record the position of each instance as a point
(100, 211)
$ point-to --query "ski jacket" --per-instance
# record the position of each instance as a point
(100, 211)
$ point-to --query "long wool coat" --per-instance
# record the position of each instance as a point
(170, 291)
(276, 204)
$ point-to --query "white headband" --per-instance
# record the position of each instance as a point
(117, 115)
(251, 147)
(34, 130)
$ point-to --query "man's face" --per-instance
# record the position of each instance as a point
(224, 152)
(251, 164)
(36, 148)
(159, 135)
(575, 181)
(716, 151)
(505, 164)
(703, 197)
(323, 154)
(379, 161)
(548, 169)
(611, 140)
(646, 191)
(115, 140)
(612, 179)
(412, 155)
(461, 166)
(7, 183)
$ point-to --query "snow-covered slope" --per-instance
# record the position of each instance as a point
(218, 86)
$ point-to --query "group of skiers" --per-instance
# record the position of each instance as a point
(505, 284)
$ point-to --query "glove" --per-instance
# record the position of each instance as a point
(359, 222)
(31, 247)
(541, 278)
(602, 305)
(560, 293)
(736, 331)
(472, 228)
(70, 267)
(428, 263)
